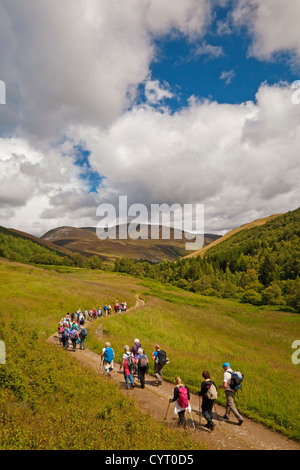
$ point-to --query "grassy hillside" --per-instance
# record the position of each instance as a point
(260, 265)
(198, 332)
(24, 248)
(47, 400)
(255, 223)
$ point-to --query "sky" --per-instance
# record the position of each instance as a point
(162, 101)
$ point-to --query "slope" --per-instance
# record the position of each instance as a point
(255, 223)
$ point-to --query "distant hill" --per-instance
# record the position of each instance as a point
(86, 242)
(255, 223)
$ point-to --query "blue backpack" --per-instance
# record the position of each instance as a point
(108, 354)
(236, 380)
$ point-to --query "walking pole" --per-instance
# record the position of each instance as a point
(167, 412)
(217, 414)
(190, 412)
(199, 410)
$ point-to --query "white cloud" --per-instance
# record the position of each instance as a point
(227, 76)
(155, 92)
(236, 159)
(209, 50)
(273, 24)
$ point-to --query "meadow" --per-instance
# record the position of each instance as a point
(47, 400)
(198, 332)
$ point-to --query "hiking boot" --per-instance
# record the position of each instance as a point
(240, 422)
(225, 417)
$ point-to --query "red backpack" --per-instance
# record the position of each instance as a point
(183, 401)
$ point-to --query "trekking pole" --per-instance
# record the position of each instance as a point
(217, 414)
(199, 410)
(167, 411)
(190, 412)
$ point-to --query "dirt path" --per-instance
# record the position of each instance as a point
(226, 435)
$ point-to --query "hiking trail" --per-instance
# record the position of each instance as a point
(227, 435)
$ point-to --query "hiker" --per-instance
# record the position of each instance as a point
(181, 397)
(105, 309)
(74, 335)
(100, 312)
(209, 395)
(91, 315)
(107, 357)
(82, 337)
(116, 306)
(230, 394)
(60, 331)
(134, 352)
(143, 366)
(65, 336)
(108, 309)
(127, 363)
(160, 359)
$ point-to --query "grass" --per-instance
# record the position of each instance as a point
(47, 400)
(200, 333)
(197, 332)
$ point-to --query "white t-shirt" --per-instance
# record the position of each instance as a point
(227, 378)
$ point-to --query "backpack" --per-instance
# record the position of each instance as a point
(212, 393)
(83, 333)
(162, 358)
(182, 400)
(108, 354)
(236, 380)
(65, 334)
(143, 361)
(74, 334)
(130, 361)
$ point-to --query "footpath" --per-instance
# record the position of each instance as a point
(227, 435)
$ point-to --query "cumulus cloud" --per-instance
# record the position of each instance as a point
(72, 71)
(235, 159)
(273, 25)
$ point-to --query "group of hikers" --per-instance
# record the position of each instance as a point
(136, 362)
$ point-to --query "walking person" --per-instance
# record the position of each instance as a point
(107, 357)
(230, 394)
(74, 335)
(65, 337)
(134, 352)
(143, 366)
(127, 364)
(181, 398)
(208, 393)
(160, 359)
(82, 337)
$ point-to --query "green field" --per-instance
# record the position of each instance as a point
(198, 332)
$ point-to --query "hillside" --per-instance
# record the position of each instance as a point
(255, 223)
(86, 242)
(25, 248)
(258, 265)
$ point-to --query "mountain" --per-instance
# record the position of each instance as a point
(86, 242)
